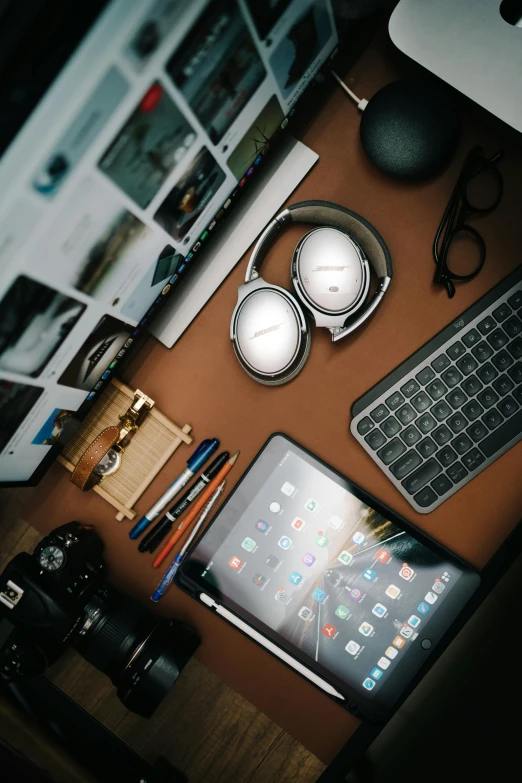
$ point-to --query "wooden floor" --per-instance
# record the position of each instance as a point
(203, 727)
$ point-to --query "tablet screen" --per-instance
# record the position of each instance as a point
(298, 549)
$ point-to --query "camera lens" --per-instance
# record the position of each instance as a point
(142, 656)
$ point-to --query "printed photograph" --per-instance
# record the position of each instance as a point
(146, 290)
(255, 138)
(94, 244)
(155, 138)
(95, 355)
(16, 400)
(217, 67)
(191, 194)
(265, 15)
(50, 433)
(34, 322)
(298, 49)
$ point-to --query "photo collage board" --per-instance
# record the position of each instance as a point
(120, 176)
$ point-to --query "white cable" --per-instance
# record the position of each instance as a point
(362, 103)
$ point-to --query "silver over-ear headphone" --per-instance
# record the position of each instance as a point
(331, 277)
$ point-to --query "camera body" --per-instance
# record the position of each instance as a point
(58, 596)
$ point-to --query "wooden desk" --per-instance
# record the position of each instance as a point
(218, 399)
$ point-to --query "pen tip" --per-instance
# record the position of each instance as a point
(233, 458)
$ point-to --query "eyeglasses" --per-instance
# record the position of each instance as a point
(478, 191)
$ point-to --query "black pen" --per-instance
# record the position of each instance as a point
(160, 530)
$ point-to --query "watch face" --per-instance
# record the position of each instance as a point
(109, 464)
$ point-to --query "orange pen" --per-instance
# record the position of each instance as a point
(198, 505)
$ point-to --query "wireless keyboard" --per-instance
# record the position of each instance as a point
(453, 407)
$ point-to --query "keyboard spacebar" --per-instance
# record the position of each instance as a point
(509, 430)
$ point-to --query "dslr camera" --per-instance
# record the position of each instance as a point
(57, 596)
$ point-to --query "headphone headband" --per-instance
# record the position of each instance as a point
(325, 213)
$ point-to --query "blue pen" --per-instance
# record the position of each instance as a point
(171, 571)
(203, 452)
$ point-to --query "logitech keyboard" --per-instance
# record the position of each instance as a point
(453, 407)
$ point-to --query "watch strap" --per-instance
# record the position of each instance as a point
(82, 473)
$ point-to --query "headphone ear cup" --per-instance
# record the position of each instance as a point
(270, 333)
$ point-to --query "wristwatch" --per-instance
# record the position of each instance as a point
(104, 456)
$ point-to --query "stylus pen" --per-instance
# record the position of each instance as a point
(155, 536)
(214, 484)
(171, 571)
(203, 452)
(271, 647)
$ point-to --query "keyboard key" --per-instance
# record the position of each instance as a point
(488, 397)
(436, 389)
(421, 476)
(420, 402)
(471, 338)
(473, 459)
(492, 419)
(426, 497)
(487, 325)
(482, 351)
(472, 385)
(502, 312)
(406, 464)
(440, 363)
(513, 326)
(510, 430)
(426, 447)
(375, 439)
(425, 376)
(426, 423)
(456, 398)
(441, 410)
(467, 364)
(455, 350)
(410, 387)
(508, 406)
(487, 373)
(365, 425)
(503, 385)
(451, 377)
(442, 435)
(497, 339)
(515, 373)
(457, 422)
(462, 443)
(446, 456)
(406, 414)
(391, 426)
(380, 413)
(476, 432)
(389, 453)
(457, 472)
(502, 361)
(394, 401)
(441, 485)
(515, 348)
(473, 410)
(516, 300)
(517, 394)
(411, 435)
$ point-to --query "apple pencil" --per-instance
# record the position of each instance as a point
(171, 571)
(203, 452)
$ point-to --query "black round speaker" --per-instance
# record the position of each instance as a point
(411, 128)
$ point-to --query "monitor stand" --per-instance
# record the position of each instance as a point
(283, 172)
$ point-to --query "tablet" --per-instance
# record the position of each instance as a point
(326, 578)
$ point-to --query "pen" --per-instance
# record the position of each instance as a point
(171, 571)
(214, 484)
(205, 450)
(155, 536)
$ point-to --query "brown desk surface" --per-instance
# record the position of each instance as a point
(199, 381)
